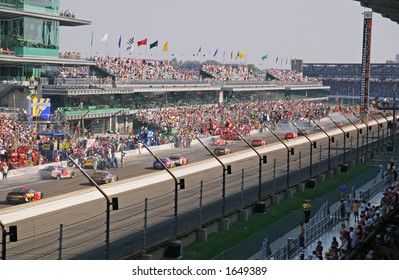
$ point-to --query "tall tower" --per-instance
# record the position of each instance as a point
(365, 75)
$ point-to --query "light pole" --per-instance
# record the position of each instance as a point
(13, 238)
(114, 203)
(378, 127)
(290, 151)
(358, 135)
(226, 169)
(329, 141)
(346, 135)
(312, 145)
(83, 121)
(367, 131)
(262, 159)
(386, 122)
(178, 184)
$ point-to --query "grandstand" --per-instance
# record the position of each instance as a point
(102, 93)
(344, 79)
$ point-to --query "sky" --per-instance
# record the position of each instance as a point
(317, 31)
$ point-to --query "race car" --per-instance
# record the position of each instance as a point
(55, 172)
(217, 141)
(179, 160)
(166, 161)
(104, 177)
(219, 151)
(291, 135)
(257, 142)
(23, 194)
(303, 132)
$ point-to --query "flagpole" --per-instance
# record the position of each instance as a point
(91, 44)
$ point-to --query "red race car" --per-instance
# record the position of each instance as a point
(257, 142)
(291, 135)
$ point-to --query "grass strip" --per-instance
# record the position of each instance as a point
(242, 230)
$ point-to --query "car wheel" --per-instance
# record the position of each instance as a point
(70, 164)
(72, 174)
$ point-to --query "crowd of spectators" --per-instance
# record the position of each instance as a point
(5, 50)
(222, 72)
(282, 76)
(371, 234)
(351, 87)
(125, 69)
(70, 55)
(67, 13)
(387, 70)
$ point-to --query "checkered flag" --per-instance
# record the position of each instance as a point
(130, 41)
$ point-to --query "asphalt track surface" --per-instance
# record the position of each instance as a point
(70, 222)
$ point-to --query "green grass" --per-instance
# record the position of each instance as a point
(242, 230)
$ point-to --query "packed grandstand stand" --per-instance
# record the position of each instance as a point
(344, 79)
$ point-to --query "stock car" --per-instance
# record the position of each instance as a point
(223, 150)
(23, 194)
(291, 135)
(218, 141)
(303, 132)
(104, 177)
(179, 160)
(166, 161)
(55, 172)
(257, 142)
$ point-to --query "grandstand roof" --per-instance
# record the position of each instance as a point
(387, 8)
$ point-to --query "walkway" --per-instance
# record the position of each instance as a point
(361, 183)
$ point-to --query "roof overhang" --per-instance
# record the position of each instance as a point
(387, 8)
(40, 60)
(13, 13)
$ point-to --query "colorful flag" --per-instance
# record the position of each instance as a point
(104, 38)
(92, 36)
(276, 59)
(153, 45)
(130, 41)
(216, 52)
(231, 55)
(199, 51)
(129, 48)
(142, 42)
(120, 41)
(265, 57)
(241, 54)
(165, 47)
(238, 54)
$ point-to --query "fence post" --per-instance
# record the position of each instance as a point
(200, 203)
(145, 225)
(60, 242)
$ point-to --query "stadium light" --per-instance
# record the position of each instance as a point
(178, 184)
(109, 202)
(226, 169)
(262, 159)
